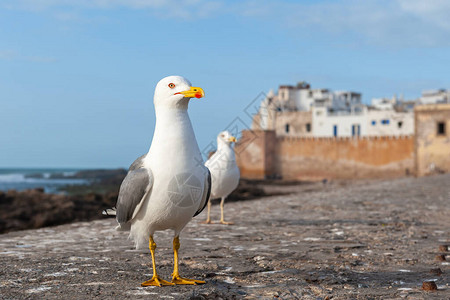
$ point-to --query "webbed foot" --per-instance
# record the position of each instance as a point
(226, 223)
(156, 281)
(180, 280)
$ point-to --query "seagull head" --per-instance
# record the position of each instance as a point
(225, 137)
(175, 92)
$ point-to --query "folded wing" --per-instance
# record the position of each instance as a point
(133, 190)
(206, 193)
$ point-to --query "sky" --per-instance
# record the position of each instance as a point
(77, 76)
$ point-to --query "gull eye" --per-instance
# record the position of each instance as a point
(171, 85)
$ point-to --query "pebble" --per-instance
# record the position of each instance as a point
(443, 248)
(440, 257)
(429, 286)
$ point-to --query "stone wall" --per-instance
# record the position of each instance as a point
(319, 158)
(261, 154)
(255, 153)
(432, 150)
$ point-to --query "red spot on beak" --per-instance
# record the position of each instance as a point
(198, 95)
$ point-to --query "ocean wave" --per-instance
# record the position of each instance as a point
(69, 173)
(12, 177)
(36, 178)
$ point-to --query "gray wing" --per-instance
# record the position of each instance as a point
(138, 163)
(206, 193)
(132, 191)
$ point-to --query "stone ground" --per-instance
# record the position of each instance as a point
(361, 240)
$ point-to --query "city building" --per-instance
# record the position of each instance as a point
(301, 133)
(300, 111)
(435, 96)
(432, 139)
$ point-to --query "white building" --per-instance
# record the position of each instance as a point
(368, 122)
(435, 96)
(338, 124)
(301, 97)
(389, 122)
(304, 112)
(384, 103)
(347, 101)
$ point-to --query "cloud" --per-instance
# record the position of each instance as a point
(391, 23)
(185, 9)
(40, 59)
(434, 12)
(11, 55)
(7, 54)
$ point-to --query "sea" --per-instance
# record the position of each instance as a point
(49, 179)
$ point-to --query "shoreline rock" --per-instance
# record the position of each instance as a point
(33, 209)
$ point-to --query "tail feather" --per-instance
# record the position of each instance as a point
(109, 212)
(123, 227)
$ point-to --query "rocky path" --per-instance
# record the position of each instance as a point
(378, 240)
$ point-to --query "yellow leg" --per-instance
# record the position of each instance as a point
(156, 280)
(208, 217)
(176, 275)
(222, 221)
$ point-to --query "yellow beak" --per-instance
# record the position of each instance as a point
(232, 139)
(193, 92)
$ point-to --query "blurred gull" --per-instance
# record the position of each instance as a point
(224, 172)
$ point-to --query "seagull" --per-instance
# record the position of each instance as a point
(168, 186)
(224, 172)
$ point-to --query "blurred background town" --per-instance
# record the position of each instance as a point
(313, 134)
(341, 110)
(310, 98)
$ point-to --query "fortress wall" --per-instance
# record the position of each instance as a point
(255, 153)
(319, 158)
(263, 154)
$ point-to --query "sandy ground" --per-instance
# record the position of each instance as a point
(367, 240)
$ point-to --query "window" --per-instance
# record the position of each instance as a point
(335, 130)
(441, 128)
(374, 123)
(356, 130)
(400, 124)
(385, 122)
(286, 128)
(308, 127)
